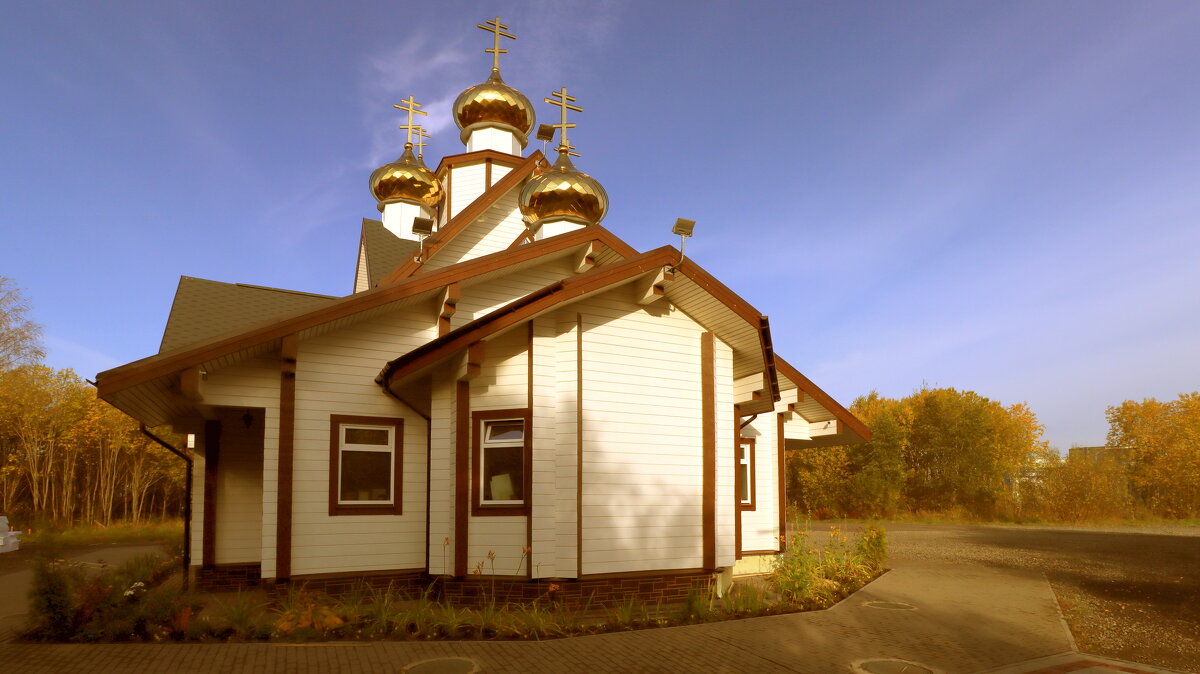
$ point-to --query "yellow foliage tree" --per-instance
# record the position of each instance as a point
(1160, 445)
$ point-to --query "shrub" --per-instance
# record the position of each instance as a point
(51, 610)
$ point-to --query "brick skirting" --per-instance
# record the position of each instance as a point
(223, 577)
(650, 587)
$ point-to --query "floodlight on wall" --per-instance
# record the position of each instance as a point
(683, 227)
(422, 227)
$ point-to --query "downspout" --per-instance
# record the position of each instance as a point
(187, 502)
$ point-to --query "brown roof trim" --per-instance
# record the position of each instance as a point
(841, 413)
(742, 308)
(521, 310)
(509, 160)
(466, 216)
(146, 369)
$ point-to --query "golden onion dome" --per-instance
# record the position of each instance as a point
(406, 179)
(494, 104)
(563, 193)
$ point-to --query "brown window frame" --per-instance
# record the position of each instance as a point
(336, 422)
(747, 504)
(478, 508)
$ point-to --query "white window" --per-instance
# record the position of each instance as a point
(366, 465)
(502, 462)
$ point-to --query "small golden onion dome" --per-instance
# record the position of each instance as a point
(563, 193)
(406, 179)
(494, 104)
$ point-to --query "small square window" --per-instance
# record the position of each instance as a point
(364, 465)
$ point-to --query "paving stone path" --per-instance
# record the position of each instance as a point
(963, 618)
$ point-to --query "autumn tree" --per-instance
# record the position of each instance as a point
(20, 337)
(1160, 445)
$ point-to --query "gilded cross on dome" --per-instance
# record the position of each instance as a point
(421, 135)
(410, 106)
(497, 30)
(564, 102)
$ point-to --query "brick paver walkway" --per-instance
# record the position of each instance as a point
(965, 618)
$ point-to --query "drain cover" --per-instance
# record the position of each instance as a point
(892, 667)
(443, 666)
(893, 605)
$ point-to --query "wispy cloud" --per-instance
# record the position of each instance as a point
(434, 71)
(63, 353)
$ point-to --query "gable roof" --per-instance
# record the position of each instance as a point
(384, 250)
(204, 309)
(225, 344)
(436, 241)
(692, 290)
(850, 429)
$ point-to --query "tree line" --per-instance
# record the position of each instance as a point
(941, 450)
(67, 457)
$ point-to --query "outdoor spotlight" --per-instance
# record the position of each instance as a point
(545, 133)
(683, 227)
(422, 226)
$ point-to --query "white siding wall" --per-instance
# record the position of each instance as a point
(642, 467)
(545, 448)
(335, 375)
(726, 453)
(493, 231)
(254, 384)
(483, 298)
(441, 474)
(501, 385)
(760, 526)
(566, 380)
(466, 184)
(239, 489)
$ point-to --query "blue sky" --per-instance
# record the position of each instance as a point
(995, 196)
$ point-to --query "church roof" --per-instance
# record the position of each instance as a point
(206, 309)
(385, 251)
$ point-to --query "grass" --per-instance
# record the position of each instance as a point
(163, 531)
(131, 603)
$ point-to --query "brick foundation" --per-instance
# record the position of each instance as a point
(650, 587)
(225, 577)
(412, 584)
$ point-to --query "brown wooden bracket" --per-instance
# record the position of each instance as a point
(650, 288)
(586, 258)
(447, 306)
(189, 384)
(473, 363)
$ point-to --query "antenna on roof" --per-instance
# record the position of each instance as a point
(683, 227)
(422, 227)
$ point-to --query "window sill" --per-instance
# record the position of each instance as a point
(372, 509)
(484, 510)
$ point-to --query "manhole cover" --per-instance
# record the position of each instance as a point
(443, 666)
(892, 605)
(891, 667)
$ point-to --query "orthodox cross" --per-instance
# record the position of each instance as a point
(411, 109)
(564, 103)
(421, 135)
(497, 30)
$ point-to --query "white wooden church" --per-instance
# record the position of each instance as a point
(510, 393)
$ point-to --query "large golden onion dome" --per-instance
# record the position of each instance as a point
(406, 179)
(494, 104)
(563, 193)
